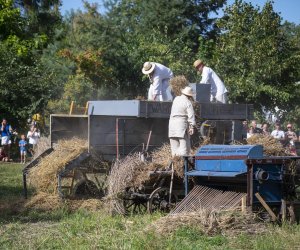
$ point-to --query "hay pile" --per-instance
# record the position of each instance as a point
(272, 147)
(88, 204)
(177, 84)
(229, 222)
(121, 177)
(46, 202)
(43, 202)
(43, 177)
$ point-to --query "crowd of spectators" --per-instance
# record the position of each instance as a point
(288, 137)
(26, 144)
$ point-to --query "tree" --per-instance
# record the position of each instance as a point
(163, 31)
(25, 84)
(255, 58)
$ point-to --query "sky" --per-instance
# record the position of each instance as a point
(289, 9)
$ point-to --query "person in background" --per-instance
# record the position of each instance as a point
(245, 130)
(33, 135)
(22, 146)
(265, 129)
(182, 123)
(292, 150)
(256, 130)
(3, 155)
(277, 133)
(218, 89)
(159, 76)
(290, 135)
(250, 132)
(6, 132)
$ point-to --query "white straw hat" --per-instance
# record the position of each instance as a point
(197, 63)
(148, 68)
(188, 91)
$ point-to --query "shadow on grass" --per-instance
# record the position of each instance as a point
(10, 192)
(15, 211)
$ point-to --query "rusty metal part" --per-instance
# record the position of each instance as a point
(208, 198)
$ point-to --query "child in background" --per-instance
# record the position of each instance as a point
(22, 145)
(3, 155)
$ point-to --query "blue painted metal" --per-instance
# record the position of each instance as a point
(186, 181)
(231, 162)
(213, 174)
(224, 160)
(271, 189)
(230, 151)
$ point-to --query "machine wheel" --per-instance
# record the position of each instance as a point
(134, 201)
(87, 189)
(159, 200)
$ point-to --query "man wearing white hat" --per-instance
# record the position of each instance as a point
(218, 89)
(181, 123)
(159, 76)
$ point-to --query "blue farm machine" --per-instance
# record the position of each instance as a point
(225, 176)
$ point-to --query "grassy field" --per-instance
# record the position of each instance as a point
(61, 229)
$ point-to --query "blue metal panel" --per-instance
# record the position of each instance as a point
(270, 189)
(221, 165)
(213, 174)
(230, 151)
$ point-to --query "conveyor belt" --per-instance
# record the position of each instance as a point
(208, 198)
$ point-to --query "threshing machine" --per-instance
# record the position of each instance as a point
(224, 175)
(116, 128)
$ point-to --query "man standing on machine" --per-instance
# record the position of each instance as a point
(218, 89)
(159, 76)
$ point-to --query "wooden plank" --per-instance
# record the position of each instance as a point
(283, 210)
(215, 111)
(244, 204)
(265, 205)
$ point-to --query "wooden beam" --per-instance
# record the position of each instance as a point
(71, 108)
(265, 205)
(283, 210)
(244, 202)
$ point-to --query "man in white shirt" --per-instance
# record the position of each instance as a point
(181, 123)
(159, 76)
(218, 89)
(277, 133)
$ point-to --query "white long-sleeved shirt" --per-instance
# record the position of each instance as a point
(278, 134)
(217, 86)
(182, 115)
(33, 137)
(160, 79)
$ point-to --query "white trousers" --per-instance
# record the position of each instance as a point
(180, 146)
(165, 94)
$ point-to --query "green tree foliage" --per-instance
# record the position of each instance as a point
(25, 84)
(161, 31)
(256, 60)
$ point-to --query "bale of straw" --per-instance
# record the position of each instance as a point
(272, 147)
(121, 177)
(177, 84)
(43, 177)
(162, 155)
(230, 222)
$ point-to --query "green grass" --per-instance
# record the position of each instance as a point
(61, 229)
(11, 181)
